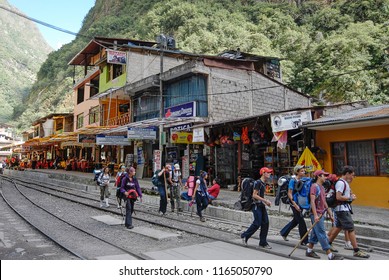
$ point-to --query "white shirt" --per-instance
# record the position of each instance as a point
(339, 187)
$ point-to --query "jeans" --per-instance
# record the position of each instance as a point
(201, 203)
(318, 234)
(298, 219)
(261, 219)
(129, 210)
(163, 199)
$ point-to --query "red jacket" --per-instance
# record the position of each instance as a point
(214, 190)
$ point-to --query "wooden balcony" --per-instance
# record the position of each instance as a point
(120, 120)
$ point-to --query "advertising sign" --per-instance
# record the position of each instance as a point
(198, 134)
(181, 137)
(86, 138)
(289, 120)
(185, 110)
(138, 133)
(119, 140)
(116, 57)
(157, 159)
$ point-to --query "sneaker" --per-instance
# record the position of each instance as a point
(333, 249)
(361, 254)
(312, 254)
(348, 246)
(285, 238)
(202, 219)
(244, 241)
(336, 257)
(267, 246)
(130, 227)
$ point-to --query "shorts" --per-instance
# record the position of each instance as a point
(344, 220)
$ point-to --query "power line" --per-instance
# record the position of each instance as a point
(44, 23)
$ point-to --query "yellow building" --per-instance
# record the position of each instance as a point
(359, 138)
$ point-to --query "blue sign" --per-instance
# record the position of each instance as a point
(185, 110)
(139, 133)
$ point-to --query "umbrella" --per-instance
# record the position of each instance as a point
(309, 161)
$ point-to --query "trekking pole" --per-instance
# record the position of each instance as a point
(305, 235)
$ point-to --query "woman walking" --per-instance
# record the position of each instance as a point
(131, 190)
(103, 181)
(200, 196)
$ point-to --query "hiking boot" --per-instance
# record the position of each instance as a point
(267, 246)
(130, 227)
(333, 249)
(361, 254)
(348, 246)
(285, 238)
(312, 254)
(202, 219)
(336, 257)
(244, 241)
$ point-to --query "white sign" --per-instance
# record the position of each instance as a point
(137, 133)
(198, 135)
(157, 159)
(289, 120)
(119, 140)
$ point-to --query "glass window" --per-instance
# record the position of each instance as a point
(360, 154)
(94, 115)
(80, 120)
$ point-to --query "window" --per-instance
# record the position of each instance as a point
(80, 120)
(115, 70)
(146, 107)
(368, 157)
(80, 95)
(94, 115)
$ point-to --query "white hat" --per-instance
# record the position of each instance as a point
(177, 166)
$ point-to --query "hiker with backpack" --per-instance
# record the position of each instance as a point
(344, 220)
(103, 181)
(259, 203)
(318, 209)
(131, 191)
(160, 179)
(118, 184)
(298, 218)
(175, 187)
(200, 194)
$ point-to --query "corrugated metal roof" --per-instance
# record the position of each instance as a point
(358, 115)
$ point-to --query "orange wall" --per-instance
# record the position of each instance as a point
(370, 190)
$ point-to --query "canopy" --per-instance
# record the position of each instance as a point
(309, 161)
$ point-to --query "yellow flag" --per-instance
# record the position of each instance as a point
(309, 161)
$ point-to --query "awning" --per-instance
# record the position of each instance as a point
(105, 93)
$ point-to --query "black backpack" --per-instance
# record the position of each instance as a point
(282, 190)
(246, 195)
(329, 187)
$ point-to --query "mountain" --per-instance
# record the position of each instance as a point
(331, 50)
(22, 52)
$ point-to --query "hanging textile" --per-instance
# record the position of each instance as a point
(281, 138)
(309, 161)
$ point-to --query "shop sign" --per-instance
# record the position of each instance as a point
(86, 138)
(198, 134)
(26, 149)
(157, 158)
(289, 120)
(185, 110)
(182, 127)
(138, 133)
(118, 140)
(181, 137)
(116, 57)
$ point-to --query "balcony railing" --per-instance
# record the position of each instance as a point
(120, 120)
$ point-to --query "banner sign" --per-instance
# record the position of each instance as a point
(181, 111)
(181, 137)
(289, 120)
(157, 158)
(198, 134)
(119, 140)
(86, 138)
(116, 57)
(182, 127)
(138, 133)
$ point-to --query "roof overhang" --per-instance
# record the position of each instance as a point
(347, 124)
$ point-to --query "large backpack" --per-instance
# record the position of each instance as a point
(301, 193)
(97, 175)
(118, 183)
(246, 195)
(331, 200)
(191, 184)
(155, 179)
(282, 190)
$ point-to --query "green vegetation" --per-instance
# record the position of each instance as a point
(331, 49)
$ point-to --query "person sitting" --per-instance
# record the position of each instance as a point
(213, 191)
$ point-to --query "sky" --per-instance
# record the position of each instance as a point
(67, 15)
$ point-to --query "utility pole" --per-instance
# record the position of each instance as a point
(162, 43)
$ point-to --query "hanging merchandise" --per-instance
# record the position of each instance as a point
(236, 136)
(281, 138)
(245, 136)
(309, 161)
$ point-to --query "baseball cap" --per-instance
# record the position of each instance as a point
(177, 166)
(265, 169)
(297, 168)
(318, 173)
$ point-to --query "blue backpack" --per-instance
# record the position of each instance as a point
(155, 179)
(301, 193)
